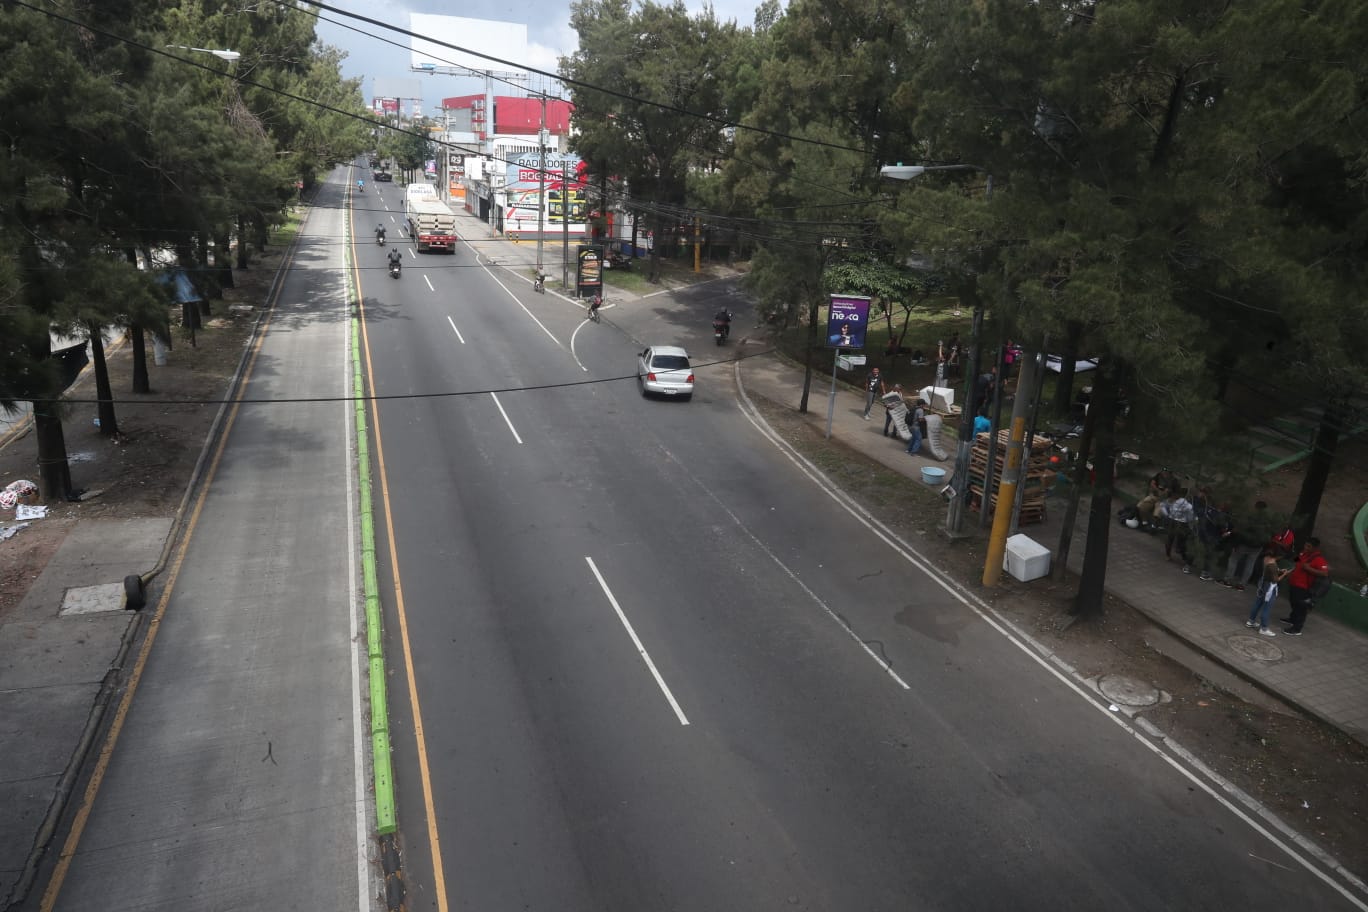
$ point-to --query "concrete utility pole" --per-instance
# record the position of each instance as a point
(541, 187)
(1011, 475)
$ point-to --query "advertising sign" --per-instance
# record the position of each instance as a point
(847, 318)
(589, 269)
(523, 183)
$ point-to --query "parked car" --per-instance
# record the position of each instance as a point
(379, 176)
(665, 369)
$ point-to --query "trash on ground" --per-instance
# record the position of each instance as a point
(28, 511)
(18, 492)
(10, 530)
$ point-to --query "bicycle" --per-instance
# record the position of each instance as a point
(594, 304)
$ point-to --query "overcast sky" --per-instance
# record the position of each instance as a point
(549, 36)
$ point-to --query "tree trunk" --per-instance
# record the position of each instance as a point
(104, 393)
(1080, 478)
(223, 261)
(1091, 591)
(141, 383)
(54, 473)
(1318, 470)
(1063, 394)
(241, 242)
(808, 355)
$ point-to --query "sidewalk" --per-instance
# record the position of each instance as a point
(1323, 673)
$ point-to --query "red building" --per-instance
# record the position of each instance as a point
(512, 116)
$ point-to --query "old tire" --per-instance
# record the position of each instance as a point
(135, 594)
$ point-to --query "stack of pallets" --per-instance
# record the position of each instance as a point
(1035, 480)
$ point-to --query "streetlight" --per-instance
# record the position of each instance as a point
(220, 54)
(957, 491)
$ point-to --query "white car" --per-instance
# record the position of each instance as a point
(665, 369)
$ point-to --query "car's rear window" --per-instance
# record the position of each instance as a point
(670, 362)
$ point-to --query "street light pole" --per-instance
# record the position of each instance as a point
(541, 187)
(959, 481)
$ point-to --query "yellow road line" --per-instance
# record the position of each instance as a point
(429, 808)
(78, 825)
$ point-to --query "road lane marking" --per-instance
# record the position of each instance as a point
(1142, 730)
(455, 330)
(439, 887)
(641, 650)
(831, 612)
(429, 282)
(548, 332)
(573, 353)
(506, 418)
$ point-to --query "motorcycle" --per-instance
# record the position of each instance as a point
(721, 329)
(380, 239)
(394, 270)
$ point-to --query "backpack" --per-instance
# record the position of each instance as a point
(1320, 587)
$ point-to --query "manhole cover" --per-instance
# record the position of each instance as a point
(1261, 649)
(1127, 691)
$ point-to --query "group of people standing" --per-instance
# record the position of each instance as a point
(1259, 549)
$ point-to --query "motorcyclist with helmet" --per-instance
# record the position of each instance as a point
(396, 259)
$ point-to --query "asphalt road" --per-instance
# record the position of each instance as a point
(656, 667)
(237, 781)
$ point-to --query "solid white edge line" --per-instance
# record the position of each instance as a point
(455, 330)
(360, 739)
(354, 605)
(506, 419)
(429, 282)
(831, 613)
(510, 293)
(636, 641)
(1068, 676)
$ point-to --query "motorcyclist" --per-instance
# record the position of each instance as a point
(380, 234)
(361, 185)
(396, 259)
(722, 320)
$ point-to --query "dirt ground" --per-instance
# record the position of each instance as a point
(1312, 776)
(144, 470)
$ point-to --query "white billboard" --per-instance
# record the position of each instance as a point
(504, 40)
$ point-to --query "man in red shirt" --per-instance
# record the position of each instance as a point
(1311, 565)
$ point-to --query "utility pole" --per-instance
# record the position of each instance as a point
(1011, 476)
(541, 188)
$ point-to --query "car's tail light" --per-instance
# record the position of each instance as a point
(651, 377)
(690, 380)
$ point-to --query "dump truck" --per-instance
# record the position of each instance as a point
(431, 224)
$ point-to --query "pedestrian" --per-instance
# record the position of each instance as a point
(1246, 542)
(889, 402)
(916, 426)
(981, 424)
(1270, 575)
(1311, 568)
(983, 390)
(874, 388)
(1214, 535)
(1177, 512)
(1159, 485)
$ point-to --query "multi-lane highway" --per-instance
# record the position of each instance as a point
(656, 667)
(640, 659)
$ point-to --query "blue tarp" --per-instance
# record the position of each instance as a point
(185, 290)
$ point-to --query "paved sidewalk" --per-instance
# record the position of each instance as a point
(1323, 673)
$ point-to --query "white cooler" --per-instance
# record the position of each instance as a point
(940, 398)
(1026, 559)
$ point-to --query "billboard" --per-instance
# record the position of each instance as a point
(847, 318)
(504, 40)
(522, 188)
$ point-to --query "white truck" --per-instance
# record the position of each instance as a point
(431, 224)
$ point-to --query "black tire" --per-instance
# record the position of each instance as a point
(135, 594)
